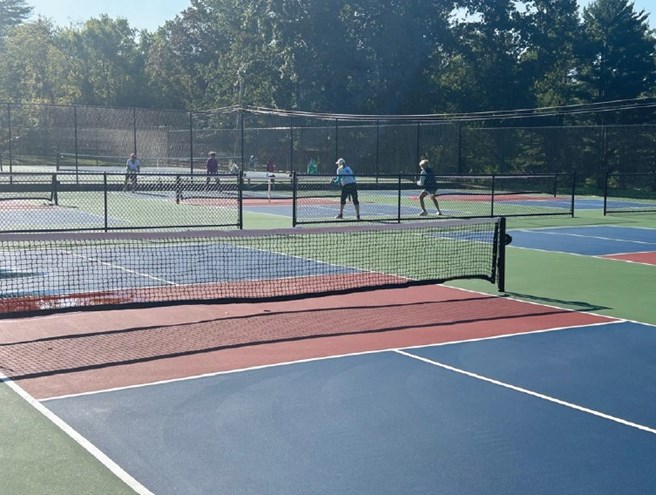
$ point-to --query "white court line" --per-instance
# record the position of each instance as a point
(321, 358)
(602, 238)
(120, 268)
(78, 438)
(530, 392)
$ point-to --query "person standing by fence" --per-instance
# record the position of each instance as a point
(212, 166)
(132, 168)
(428, 181)
(346, 178)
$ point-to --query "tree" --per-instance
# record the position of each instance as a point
(618, 52)
(31, 68)
(550, 31)
(12, 13)
(104, 63)
(485, 60)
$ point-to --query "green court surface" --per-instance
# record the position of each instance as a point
(37, 457)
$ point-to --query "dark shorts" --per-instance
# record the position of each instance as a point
(349, 190)
(131, 174)
(432, 192)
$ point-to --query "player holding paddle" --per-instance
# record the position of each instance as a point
(132, 168)
(346, 178)
(428, 181)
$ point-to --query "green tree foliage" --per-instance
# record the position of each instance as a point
(487, 56)
(550, 32)
(104, 64)
(341, 56)
(12, 13)
(32, 65)
(618, 52)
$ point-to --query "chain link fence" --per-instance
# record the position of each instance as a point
(69, 201)
(51, 138)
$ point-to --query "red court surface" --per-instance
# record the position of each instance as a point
(58, 355)
(646, 258)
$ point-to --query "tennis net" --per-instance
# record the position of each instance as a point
(57, 272)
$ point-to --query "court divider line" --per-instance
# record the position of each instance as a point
(528, 392)
(105, 460)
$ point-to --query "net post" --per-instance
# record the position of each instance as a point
(501, 259)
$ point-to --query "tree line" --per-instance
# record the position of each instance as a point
(340, 56)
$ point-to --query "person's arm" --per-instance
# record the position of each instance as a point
(422, 178)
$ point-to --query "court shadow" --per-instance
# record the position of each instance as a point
(575, 305)
(62, 354)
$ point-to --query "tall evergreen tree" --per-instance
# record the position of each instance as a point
(618, 52)
(12, 13)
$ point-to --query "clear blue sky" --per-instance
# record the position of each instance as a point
(151, 14)
(142, 14)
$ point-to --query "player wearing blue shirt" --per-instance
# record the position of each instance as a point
(346, 178)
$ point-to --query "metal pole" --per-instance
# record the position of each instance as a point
(191, 141)
(134, 128)
(11, 163)
(291, 144)
(77, 164)
(418, 151)
(501, 260)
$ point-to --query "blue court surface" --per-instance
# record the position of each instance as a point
(590, 240)
(567, 411)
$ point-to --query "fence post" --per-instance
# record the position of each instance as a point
(492, 197)
(336, 139)
(134, 128)
(573, 192)
(377, 149)
(399, 200)
(294, 197)
(418, 143)
(241, 136)
(9, 140)
(291, 143)
(459, 148)
(106, 197)
(75, 131)
(240, 190)
(191, 141)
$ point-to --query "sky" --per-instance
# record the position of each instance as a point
(151, 14)
(141, 14)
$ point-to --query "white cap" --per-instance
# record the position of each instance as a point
(341, 161)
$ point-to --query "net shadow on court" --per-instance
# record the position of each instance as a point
(61, 354)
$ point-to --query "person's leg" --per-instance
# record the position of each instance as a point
(356, 201)
(421, 203)
(342, 201)
(437, 206)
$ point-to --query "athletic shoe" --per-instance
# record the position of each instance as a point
(423, 214)
(358, 217)
(339, 217)
(438, 213)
